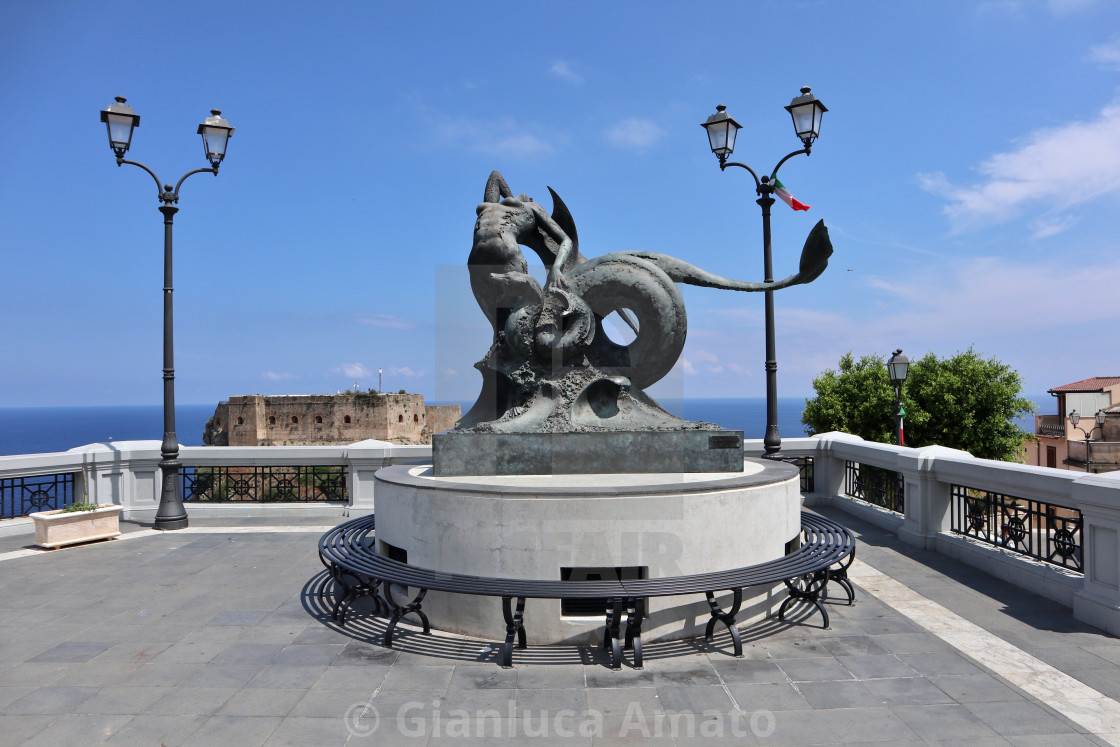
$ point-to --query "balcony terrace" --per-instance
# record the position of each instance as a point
(988, 606)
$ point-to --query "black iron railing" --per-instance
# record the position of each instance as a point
(875, 485)
(1038, 530)
(264, 484)
(20, 496)
(804, 465)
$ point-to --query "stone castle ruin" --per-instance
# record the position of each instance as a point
(310, 419)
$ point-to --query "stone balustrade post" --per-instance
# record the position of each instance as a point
(927, 500)
(1098, 600)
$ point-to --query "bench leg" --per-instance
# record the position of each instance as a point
(399, 611)
(840, 576)
(806, 588)
(727, 618)
(635, 614)
(515, 625)
(362, 587)
(611, 634)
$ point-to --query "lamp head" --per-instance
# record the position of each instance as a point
(120, 121)
(722, 130)
(215, 133)
(807, 113)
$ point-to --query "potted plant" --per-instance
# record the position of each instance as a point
(78, 522)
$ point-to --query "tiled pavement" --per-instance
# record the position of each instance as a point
(217, 635)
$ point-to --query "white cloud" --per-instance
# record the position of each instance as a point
(563, 70)
(384, 320)
(1051, 171)
(505, 137)
(274, 376)
(634, 132)
(405, 371)
(449, 372)
(354, 370)
(705, 356)
(686, 364)
(1106, 55)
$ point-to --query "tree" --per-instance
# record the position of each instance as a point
(964, 402)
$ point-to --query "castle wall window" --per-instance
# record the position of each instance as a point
(272, 420)
(346, 420)
(319, 419)
(415, 418)
(400, 418)
(240, 420)
(295, 420)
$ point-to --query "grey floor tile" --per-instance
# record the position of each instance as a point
(741, 671)
(693, 699)
(876, 667)
(18, 729)
(248, 653)
(769, 696)
(300, 731)
(320, 703)
(816, 669)
(953, 722)
(52, 699)
(73, 652)
(482, 678)
(844, 694)
(261, 702)
(230, 730)
(975, 688)
(161, 730)
(852, 645)
(934, 664)
(341, 678)
(619, 701)
(550, 677)
(539, 701)
(1011, 718)
(908, 691)
(112, 700)
(419, 678)
(79, 729)
(306, 655)
(192, 701)
(222, 675)
(797, 649)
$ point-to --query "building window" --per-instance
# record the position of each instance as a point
(272, 420)
(346, 420)
(295, 420)
(319, 419)
(240, 420)
(415, 418)
(400, 418)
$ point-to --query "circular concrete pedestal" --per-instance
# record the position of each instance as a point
(535, 526)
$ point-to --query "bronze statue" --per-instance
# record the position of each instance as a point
(551, 368)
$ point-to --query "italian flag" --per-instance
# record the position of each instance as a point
(784, 195)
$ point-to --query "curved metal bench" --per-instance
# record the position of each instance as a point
(348, 554)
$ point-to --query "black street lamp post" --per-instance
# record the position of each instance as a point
(1074, 419)
(897, 369)
(120, 120)
(807, 112)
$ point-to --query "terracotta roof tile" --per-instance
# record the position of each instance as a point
(1095, 384)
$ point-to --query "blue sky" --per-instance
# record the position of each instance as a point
(968, 169)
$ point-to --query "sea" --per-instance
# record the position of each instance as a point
(36, 430)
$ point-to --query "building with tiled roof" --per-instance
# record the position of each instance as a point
(1090, 445)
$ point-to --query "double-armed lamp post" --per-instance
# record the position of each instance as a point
(1074, 419)
(121, 120)
(806, 112)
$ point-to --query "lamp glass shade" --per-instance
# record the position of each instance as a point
(120, 131)
(722, 130)
(215, 133)
(898, 367)
(807, 113)
(1100, 417)
(1074, 417)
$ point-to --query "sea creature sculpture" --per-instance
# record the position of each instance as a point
(551, 367)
